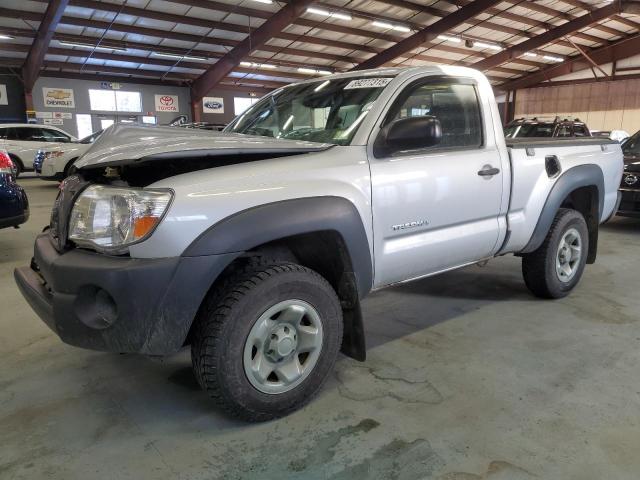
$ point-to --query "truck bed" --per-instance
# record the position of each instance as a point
(531, 183)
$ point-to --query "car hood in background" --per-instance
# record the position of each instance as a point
(125, 144)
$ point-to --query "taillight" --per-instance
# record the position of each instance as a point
(6, 165)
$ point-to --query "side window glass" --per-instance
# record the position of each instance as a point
(54, 136)
(564, 130)
(26, 134)
(3, 133)
(579, 131)
(454, 105)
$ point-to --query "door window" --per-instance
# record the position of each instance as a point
(26, 134)
(50, 135)
(455, 105)
(564, 130)
(580, 131)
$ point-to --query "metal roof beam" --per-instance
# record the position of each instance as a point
(427, 34)
(48, 24)
(281, 19)
(567, 28)
(625, 48)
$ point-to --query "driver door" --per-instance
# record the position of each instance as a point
(437, 208)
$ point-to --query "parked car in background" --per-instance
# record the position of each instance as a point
(55, 163)
(538, 128)
(630, 185)
(23, 140)
(14, 206)
(617, 135)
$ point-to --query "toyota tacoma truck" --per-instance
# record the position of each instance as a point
(255, 246)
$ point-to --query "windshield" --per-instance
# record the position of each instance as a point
(327, 111)
(631, 146)
(91, 138)
(519, 130)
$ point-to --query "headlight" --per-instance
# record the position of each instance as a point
(110, 219)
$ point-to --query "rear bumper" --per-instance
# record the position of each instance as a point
(48, 172)
(117, 304)
(14, 221)
(629, 203)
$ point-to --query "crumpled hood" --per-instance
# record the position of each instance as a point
(125, 144)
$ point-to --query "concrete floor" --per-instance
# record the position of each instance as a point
(469, 377)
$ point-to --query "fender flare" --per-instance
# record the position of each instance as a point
(580, 176)
(258, 225)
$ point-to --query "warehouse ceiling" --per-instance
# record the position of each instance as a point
(257, 45)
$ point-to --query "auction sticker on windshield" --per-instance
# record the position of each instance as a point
(368, 83)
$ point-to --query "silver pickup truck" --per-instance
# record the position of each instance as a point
(256, 245)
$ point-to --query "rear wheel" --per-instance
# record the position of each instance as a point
(555, 268)
(17, 165)
(264, 346)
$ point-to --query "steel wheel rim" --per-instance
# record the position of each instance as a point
(283, 347)
(569, 255)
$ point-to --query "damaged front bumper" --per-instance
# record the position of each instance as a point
(117, 304)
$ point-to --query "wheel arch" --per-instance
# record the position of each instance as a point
(16, 159)
(67, 167)
(580, 188)
(325, 234)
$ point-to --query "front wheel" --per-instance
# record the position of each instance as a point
(264, 346)
(555, 268)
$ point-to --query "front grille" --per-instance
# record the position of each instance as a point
(630, 201)
(59, 223)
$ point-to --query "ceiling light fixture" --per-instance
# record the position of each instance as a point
(552, 58)
(530, 54)
(490, 46)
(322, 85)
(88, 45)
(4, 36)
(390, 26)
(327, 13)
(257, 65)
(179, 57)
(449, 38)
(313, 71)
(268, 2)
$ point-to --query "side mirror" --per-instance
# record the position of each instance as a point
(409, 134)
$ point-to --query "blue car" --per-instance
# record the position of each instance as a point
(14, 206)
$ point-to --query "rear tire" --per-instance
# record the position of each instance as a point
(263, 346)
(18, 166)
(555, 268)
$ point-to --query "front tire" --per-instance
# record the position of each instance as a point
(264, 345)
(555, 268)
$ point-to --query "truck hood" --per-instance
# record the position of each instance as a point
(125, 144)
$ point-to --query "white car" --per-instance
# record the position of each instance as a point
(23, 140)
(54, 163)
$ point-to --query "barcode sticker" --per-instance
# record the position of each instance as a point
(368, 83)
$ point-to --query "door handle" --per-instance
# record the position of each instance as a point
(488, 171)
